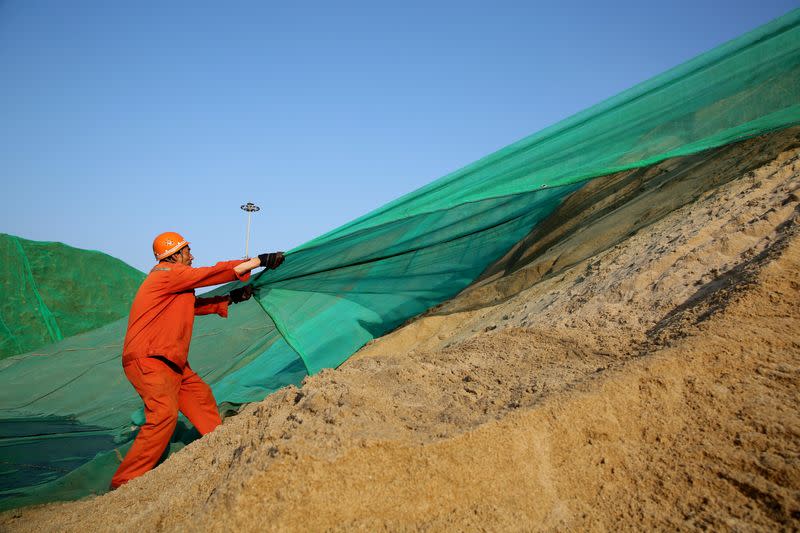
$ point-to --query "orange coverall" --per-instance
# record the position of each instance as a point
(154, 357)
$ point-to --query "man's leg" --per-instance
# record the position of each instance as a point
(158, 385)
(196, 401)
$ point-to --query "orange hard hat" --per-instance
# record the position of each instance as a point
(167, 244)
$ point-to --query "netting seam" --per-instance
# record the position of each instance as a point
(11, 335)
(47, 316)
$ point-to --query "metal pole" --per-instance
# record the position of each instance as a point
(251, 208)
(247, 240)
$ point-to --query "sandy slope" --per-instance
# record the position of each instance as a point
(633, 364)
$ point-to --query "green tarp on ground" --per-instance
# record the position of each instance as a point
(51, 291)
(72, 406)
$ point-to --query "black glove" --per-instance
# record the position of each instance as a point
(271, 260)
(241, 294)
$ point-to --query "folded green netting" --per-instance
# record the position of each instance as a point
(342, 289)
(50, 291)
(66, 412)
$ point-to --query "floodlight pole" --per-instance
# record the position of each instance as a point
(251, 208)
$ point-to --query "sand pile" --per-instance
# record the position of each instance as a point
(633, 364)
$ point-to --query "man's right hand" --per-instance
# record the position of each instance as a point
(271, 260)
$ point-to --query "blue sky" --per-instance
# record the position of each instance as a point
(119, 120)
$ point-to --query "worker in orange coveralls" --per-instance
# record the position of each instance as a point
(157, 345)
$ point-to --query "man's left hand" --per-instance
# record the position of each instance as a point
(241, 294)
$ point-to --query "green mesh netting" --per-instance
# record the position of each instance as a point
(66, 415)
(50, 291)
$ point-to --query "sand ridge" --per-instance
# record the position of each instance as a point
(628, 375)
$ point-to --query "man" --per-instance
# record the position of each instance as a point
(157, 344)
